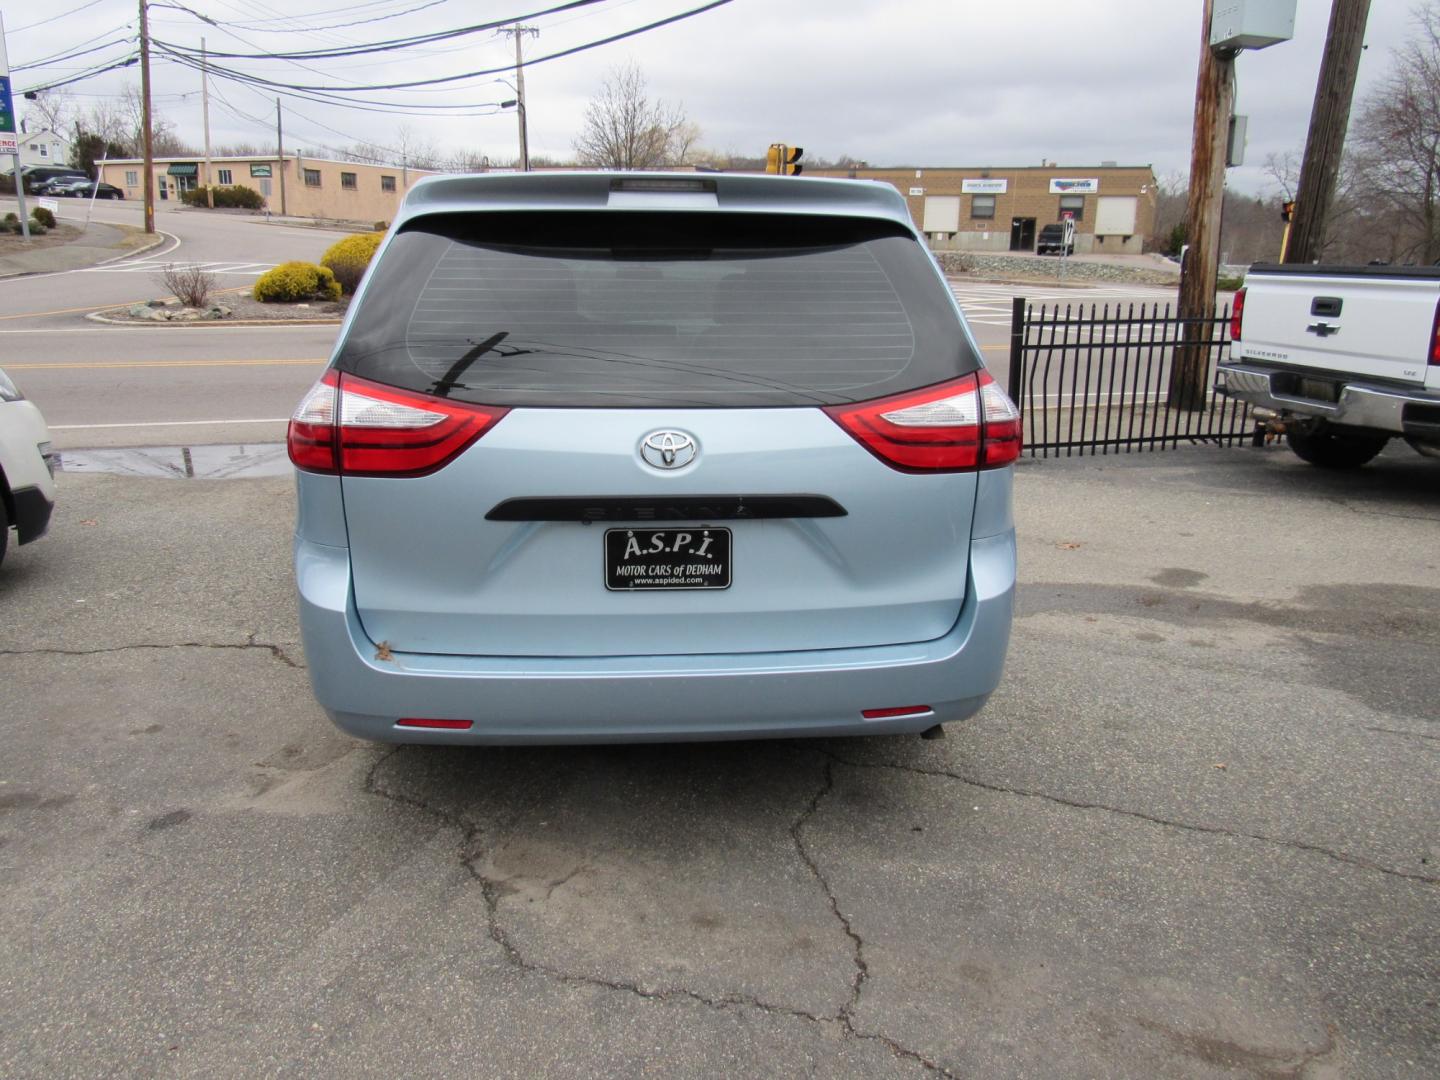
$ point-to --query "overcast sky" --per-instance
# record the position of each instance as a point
(912, 82)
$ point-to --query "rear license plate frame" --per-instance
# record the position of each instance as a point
(706, 563)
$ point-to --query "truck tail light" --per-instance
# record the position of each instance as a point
(351, 426)
(958, 426)
(1237, 314)
(1435, 338)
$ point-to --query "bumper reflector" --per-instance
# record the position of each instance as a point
(411, 721)
(903, 710)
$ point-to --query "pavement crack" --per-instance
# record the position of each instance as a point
(1154, 819)
(277, 651)
(490, 891)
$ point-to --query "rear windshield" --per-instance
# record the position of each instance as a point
(636, 309)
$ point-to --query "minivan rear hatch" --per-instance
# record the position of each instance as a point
(594, 337)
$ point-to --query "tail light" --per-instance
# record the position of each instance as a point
(1237, 315)
(355, 427)
(1435, 338)
(968, 423)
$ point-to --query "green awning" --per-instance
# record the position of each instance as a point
(183, 170)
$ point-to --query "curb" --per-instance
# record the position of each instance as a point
(100, 317)
(160, 238)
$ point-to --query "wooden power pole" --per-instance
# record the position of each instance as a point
(1214, 102)
(145, 138)
(519, 31)
(205, 111)
(1329, 117)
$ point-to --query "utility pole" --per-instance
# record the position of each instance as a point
(205, 108)
(1329, 118)
(146, 138)
(518, 31)
(280, 154)
(1214, 102)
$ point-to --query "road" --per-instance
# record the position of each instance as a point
(1194, 834)
(156, 386)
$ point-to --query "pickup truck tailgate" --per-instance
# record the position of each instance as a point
(1380, 325)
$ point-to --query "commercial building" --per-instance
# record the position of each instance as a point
(1003, 209)
(297, 184)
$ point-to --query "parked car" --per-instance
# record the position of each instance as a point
(35, 176)
(1341, 358)
(1052, 240)
(27, 468)
(61, 186)
(617, 457)
(84, 189)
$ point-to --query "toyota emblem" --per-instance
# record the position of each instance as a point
(668, 449)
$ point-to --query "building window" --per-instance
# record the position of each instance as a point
(312, 177)
(44, 150)
(1074, 204)
(982, 206)
(387, 183)
(226, 177)
(132, 178)
(347, 181)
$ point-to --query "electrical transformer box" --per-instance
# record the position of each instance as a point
(1251, 24)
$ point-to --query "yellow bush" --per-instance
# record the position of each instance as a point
(348, 258)
(294, 281)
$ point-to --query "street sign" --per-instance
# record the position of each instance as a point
(9, 143)
(53, 205)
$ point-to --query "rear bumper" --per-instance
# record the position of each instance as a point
(655, 698)
(1379, 407)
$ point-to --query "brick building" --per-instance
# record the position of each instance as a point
(314, 187)
(1003, 209)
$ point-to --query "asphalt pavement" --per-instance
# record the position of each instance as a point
(1193, 835)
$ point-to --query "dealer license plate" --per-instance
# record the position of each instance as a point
(697, 558)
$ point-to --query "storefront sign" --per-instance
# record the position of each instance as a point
(1074, 187)
(985, 187)
(259, 170)
(917, 191)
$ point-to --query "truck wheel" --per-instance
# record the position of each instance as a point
(1331, 450)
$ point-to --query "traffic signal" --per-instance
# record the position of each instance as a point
(782, 159)
(1287, 210)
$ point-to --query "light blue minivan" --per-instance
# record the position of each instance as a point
(639, 457)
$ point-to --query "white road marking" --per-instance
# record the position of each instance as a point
(146, 266)
(165, 423)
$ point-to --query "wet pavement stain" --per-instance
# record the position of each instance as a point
(221, 462)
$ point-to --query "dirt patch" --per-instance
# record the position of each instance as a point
(228, 306)
(15, 244)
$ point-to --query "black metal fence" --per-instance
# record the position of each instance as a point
(1089, 380)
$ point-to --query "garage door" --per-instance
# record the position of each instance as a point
(1115, 215)
(942, 213)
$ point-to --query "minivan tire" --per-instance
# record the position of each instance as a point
(1330, 449)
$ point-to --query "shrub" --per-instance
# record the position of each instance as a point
(230, 197)
(43, 216)
(12, 218)
(348, 258)
(37, 229)
(294, 281)
(191, 284)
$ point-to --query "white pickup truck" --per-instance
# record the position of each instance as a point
(1341, 358)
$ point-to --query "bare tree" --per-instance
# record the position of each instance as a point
(1396, 140)
(625, 129)
(51, 110)
(416, 150)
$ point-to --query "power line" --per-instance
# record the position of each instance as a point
(257, 80)
(125, 62)
(390, 45)
(50, 61)
(334, 26)
(52, 18)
